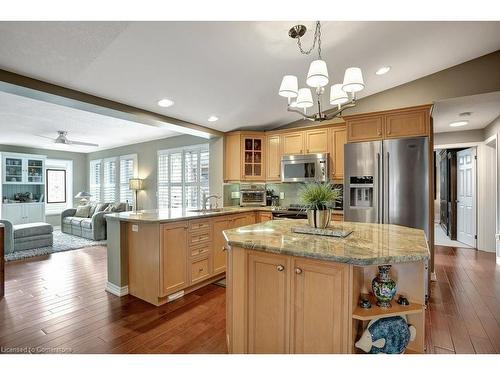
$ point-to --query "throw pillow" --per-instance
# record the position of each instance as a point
(109, 209)
(93, 206)
(82, 211)
(101, 207)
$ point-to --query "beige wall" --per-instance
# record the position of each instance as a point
(473, 77)
(147, 154)
(449, 138)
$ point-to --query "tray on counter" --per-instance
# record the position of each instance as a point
(331, 232)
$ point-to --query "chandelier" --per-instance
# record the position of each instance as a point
(342, 95)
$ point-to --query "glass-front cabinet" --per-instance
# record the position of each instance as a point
(23, 169)
(253, 163)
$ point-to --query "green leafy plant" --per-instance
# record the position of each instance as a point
(319, 196)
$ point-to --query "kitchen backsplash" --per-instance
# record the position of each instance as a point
(291, 191)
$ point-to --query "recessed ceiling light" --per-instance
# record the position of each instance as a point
(165, 103)
(382, 70)
(213, 118)
(458, 123)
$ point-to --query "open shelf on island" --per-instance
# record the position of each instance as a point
(375, 311)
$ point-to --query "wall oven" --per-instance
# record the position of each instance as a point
(252, 195)
(304, 168)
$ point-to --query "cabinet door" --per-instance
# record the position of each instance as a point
(14, 213)
(338, 139)
(253, 158)
(33, 213)
(242, 220)
(13, 170)
(273, 158)
(34, 171)
(316, 141)
(293, 143)
(365, 129)
(268, 303)
(218, 243)
(232, 155)
(407, 124)
(173, 258)
(264, 216)
(320, 315)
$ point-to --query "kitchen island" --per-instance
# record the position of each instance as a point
(299, 293)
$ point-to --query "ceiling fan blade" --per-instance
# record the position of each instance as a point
(44, 136)
(83, 143)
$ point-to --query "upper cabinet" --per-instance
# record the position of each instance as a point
(244, 156)
(23, 169)
(400, 123)
(338, 138)
(293, 143)
(273, 155)
(316, 141)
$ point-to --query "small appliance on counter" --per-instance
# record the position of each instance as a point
(253, 195)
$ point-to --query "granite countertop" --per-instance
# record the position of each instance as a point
(367, 244)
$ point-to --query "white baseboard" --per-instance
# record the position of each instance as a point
(119, 291)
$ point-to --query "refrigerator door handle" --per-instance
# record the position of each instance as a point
(387, 221)
(379, 187)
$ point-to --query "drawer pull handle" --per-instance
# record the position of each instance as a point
(280, 268)
(200, 270)
(298, 271)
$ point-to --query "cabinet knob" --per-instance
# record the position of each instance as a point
(224, 248)
(280, 268)
(298, 271)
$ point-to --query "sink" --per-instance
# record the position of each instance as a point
(208, 210)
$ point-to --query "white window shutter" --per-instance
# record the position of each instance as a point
(110, 181)
(95, 180)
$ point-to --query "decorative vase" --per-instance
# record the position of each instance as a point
(319, 218)
(383, 287)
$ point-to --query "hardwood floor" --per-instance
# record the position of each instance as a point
(57, 303)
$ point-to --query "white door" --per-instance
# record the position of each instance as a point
(466, 193)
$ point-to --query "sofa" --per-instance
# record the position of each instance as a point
(26, 236)
(92, 225)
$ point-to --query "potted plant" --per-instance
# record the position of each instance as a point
(318, 199)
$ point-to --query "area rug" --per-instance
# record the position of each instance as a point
(62, 242)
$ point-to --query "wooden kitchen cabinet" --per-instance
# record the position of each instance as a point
(365, 129)
(293, 143)
(262, 217)
(316, 141)
(320, 307)
(268, 303)
(273, 157)
(219, 252)
(338, 138)
(244, 156)
(173, 257)
(407, 124)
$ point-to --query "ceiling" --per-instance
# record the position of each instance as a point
(484, 109)
(229, 69)
(28, 122)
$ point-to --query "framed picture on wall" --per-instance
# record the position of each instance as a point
(56, 186)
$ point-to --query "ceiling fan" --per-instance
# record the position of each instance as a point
(63, 139)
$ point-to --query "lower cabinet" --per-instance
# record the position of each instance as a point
(319, 319)
(23, 213)
(268, 303)
(262, 217)
(219, 252)
(291, 304)
(173, 257)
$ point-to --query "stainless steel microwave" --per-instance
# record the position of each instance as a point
(304, 168)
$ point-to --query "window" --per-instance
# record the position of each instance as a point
(109, 179)
(95, 180)
(56, 185)
(183, 177)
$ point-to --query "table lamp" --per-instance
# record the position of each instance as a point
(84, 197)
(136, 184)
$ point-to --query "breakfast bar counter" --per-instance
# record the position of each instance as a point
(300, 293)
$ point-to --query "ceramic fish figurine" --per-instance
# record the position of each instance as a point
(387, 335)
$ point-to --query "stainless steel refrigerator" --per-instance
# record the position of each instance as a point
(388, 182)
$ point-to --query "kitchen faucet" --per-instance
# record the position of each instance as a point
(206, 199)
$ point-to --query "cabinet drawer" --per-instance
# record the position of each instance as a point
(196, 251)
(200, 269)
(198, 238)
(199, 225)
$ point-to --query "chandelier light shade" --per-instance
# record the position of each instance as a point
(289, 86)
(353, 80)
(318, 74)
(304, 99)
(337, 95)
